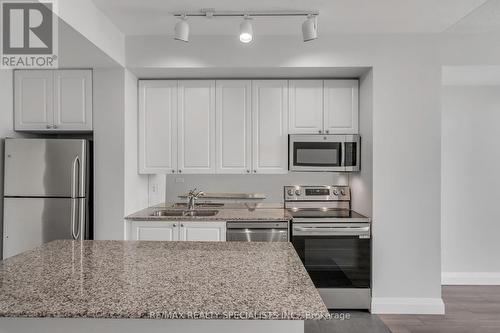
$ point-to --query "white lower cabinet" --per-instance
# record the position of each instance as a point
(177, 230)
(152, 230)
(202, 231)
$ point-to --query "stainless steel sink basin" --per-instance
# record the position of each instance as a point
(199, 212)
(173, 212)
(200, 204)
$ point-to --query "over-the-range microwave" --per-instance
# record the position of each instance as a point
(318, 152)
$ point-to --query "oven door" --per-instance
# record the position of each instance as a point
(316, 153)
(336, 255)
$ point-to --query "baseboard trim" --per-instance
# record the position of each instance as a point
(471, 278)
(400, 305)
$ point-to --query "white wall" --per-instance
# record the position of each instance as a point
(406, 140)
(136, 186)
(470, 184)
(118, 189)
(109, 145)
(362, 182)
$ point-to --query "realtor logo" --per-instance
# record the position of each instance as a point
(29, 37)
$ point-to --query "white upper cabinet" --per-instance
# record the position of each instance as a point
(306, 106)
(324, 106)
(53, 100)
(341, 106)
(33, 105)
(270, 126)
(157, 126)
(196, 131)
(73, 100)
(233, 116)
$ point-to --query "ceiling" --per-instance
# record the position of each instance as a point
(153, 17)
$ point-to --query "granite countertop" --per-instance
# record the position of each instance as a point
(161, 280)
(229, 212)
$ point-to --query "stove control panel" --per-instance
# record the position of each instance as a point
(317, 193)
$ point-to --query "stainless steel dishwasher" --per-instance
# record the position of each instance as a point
(253, 231)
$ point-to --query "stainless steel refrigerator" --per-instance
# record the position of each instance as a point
(46, 192)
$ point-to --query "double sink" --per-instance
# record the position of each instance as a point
(185, 212)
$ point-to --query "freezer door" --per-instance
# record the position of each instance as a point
(45, 167)
(30, 222)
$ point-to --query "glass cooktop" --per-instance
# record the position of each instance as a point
(323, 213)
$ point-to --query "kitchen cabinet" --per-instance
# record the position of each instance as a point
(33, 100)
(177, 231)
(270, 126)
(153, 230)
(340, 100)
(202, 231)
(234, 126)
(323, 106)
(196, 126)
(306, 106)
(157, 126)
(53, 100)
(73, 100)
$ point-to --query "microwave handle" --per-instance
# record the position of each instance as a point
(342, 154)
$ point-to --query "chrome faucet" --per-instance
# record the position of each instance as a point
(191, 198)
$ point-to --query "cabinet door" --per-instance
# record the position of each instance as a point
(196, 149)
(233, 115)
(306, 106)
(157, 126)
(73, 100)
(33, 101)
(153, 230)
(203, 231)
(341, 106)
(270, 126)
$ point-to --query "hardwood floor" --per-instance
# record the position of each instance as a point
(469, 309)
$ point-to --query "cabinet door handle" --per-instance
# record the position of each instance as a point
(182, 225)
(175, 225)
(319, 131)
(248, 171)
(173, 171)
(55, 126)
(255, 171)
(48, 126)
(180, 171)
(327, 131)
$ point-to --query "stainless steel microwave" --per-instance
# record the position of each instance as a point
(318, 152)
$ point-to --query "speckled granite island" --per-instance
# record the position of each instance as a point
(130, 286)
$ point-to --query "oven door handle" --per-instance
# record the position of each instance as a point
(361, 232)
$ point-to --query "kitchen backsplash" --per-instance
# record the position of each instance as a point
(271, 185)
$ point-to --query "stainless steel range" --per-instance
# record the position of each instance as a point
(333, 242)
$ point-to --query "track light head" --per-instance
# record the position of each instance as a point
(310, 28)
(246, 30)
(182, 30)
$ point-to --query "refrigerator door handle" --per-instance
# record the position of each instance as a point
(75, 178)
(73, 220)
(75, 230)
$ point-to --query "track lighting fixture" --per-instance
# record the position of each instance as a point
(182, 30)
(246, 31)
(309, 27)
